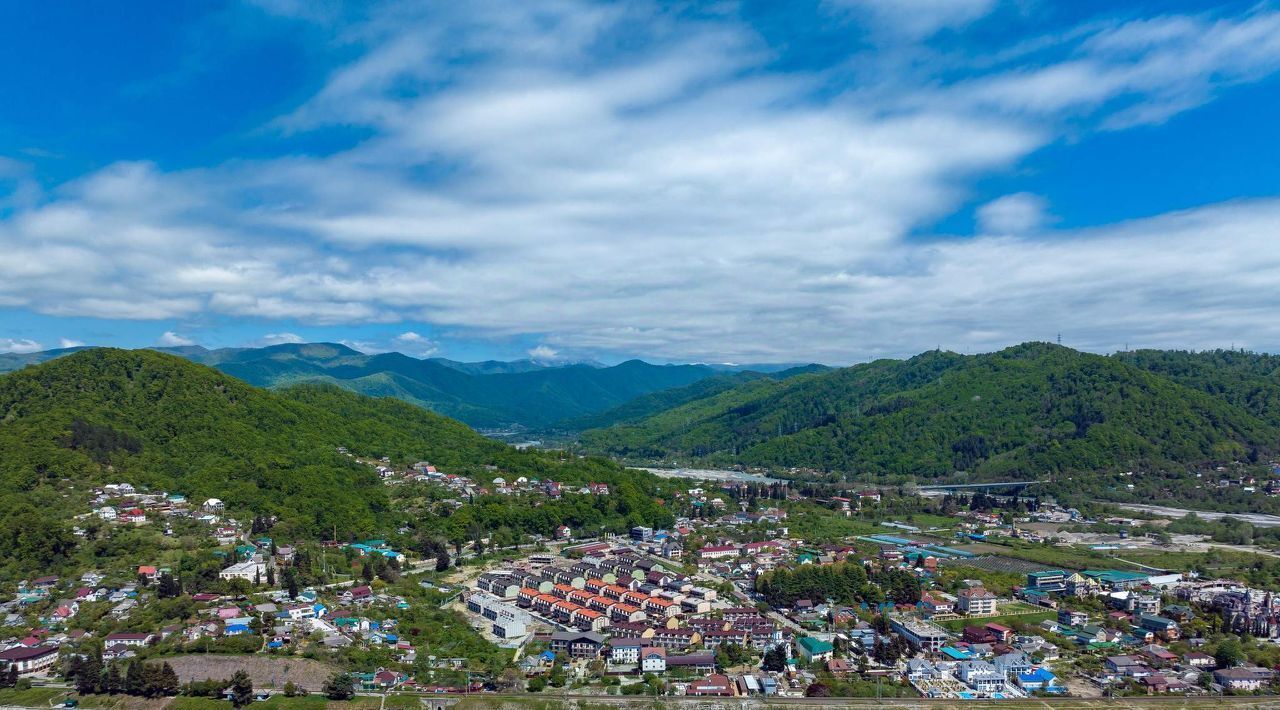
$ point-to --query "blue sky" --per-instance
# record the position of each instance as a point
(827, 180)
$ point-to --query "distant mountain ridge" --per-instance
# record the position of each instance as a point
(490, 394)
(1023, 412)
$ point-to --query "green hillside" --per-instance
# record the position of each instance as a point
(1024, 412)
(159, 421)
(1248, 380)
(166, 424)
(654, 403)
(488, 394)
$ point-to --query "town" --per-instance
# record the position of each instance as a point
(758, 589)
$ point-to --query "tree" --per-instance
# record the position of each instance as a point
(9, 678)
(114, 683)
(291, 690)
(340, 686)
(168, 587)
(818, 690)
(1229, 653)
(133, 679)
(442, 560)
(775, 660)
(168, 681)
(89, 679)
(291, 582)
(537, 684)
(271, 576)
(241, 689)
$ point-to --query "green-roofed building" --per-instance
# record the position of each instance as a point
(812, 649)
(1117, 579)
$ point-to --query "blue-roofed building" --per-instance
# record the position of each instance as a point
(955, 654)
(1039, 680)
(237, 629)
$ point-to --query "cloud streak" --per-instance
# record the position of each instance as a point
(679, 197)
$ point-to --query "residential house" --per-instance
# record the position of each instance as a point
(713, 685)
(653, 660)
(1243, 678)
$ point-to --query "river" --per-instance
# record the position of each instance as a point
(1258, 520)
(703, 474)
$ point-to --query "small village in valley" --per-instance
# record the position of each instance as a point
(764, 589)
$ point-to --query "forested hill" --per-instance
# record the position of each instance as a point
(653, 403)
(1248, 380)
(160, 421)
(486, 394)
(1026, 411)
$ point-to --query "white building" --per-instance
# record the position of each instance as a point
(250, 570)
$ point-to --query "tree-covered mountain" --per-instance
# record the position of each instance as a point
(1248, 380)
(486, 394)
(653, 403)
(1023, 412)
(165, 423)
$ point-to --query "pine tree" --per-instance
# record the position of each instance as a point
(114, 683)
(241, 689)
(168, 683)
(151, 680)
(291, 582)
(339, 687)
(168, 587)
(133, 684)
(271, 576)
(89, 679)
(442, 560)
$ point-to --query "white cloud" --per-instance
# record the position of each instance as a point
(1138, 72)
(70, 343)
(410, 337)
(681, 198)
(1019, 213)
(279, 339)
(19, 345)
(917, 18)
(170, 339)
(544, 353)
(412, 343)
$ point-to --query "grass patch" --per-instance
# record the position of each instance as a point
(32, 697)
(1011, 620)
(403, 701)
(183, 702)
(308, 702)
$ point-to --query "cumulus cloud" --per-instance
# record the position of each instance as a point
(412, 343)
(1019, 213)
(70, 343)
(170, 339)
(679, 197)
(544, 353)
(19, 345)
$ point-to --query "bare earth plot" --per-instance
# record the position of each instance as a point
(265, 671)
